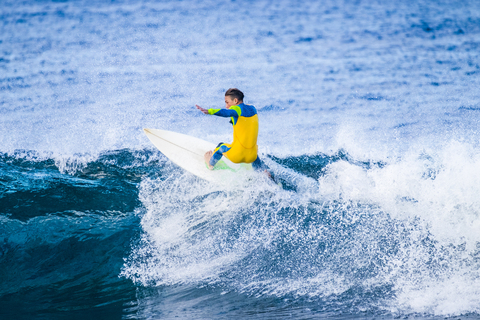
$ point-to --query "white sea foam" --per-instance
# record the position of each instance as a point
(425, 203)
(434, 194)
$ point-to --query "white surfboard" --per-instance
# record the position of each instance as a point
(188, 153)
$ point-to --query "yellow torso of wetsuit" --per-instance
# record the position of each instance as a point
(244, 146)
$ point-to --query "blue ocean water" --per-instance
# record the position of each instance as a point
(369, 115)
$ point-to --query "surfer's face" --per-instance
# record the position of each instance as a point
(230, 102)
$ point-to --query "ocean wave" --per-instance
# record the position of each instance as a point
(366, 235)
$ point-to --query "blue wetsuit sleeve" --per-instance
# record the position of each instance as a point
(227, 113)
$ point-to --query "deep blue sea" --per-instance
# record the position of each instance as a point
(369, 116)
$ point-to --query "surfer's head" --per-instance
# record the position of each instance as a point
(233, 97)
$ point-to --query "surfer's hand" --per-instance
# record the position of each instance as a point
(202, 109)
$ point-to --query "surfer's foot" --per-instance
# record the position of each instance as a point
(268, 174)
(207, 157)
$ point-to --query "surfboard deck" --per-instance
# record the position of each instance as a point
(188, 153)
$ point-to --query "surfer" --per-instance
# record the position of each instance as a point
(244, 119)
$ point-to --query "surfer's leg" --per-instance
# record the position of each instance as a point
(258, 165)
(218, 154)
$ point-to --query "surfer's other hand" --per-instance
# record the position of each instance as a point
(202, 109)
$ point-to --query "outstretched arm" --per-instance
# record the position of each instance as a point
(232, 112)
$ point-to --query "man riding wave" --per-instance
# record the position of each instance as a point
(244, 119)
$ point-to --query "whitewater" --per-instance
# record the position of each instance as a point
(369, 115)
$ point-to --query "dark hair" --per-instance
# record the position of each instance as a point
(235, 93)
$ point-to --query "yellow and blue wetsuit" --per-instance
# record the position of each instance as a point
(244, 147)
